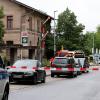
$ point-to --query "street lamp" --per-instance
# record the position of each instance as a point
(93, 44)
(54, 34)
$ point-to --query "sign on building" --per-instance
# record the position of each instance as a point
(24, 38)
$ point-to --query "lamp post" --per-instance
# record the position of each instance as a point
(54, 34)
(93, 44)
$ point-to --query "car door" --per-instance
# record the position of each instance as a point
(2, 84)
(1, 88)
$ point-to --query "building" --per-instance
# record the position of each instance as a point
(24, 28)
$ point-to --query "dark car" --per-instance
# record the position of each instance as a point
(4, 84)
(63, 66)
(86, 66)
(27, 70)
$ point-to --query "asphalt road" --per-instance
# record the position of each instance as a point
(84, 87)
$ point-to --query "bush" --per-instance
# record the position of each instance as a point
(46, 63)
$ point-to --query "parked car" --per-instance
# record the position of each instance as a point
(27, 70)
(86, 66)
(4, 84)
(63, 66)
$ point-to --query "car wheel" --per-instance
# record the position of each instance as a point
(44, 80)
(52, 75)
(35, 80)
(74, 74)
(5, 95)
(58, 75)
(87, 71)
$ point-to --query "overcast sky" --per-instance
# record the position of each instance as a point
(87, 11)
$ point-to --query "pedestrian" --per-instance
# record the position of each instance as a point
(1, 62)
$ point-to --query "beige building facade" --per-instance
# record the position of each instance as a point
(24, 28)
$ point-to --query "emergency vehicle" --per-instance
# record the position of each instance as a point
(63, 66)
(79, 57)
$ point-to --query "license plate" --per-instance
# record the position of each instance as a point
(17, 76)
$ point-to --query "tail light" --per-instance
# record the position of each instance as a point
(34, 68)
(12, 67)
(53, 65)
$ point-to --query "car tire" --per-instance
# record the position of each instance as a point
(52, 75)
(58, 75)
(5, 95)
(35, 80)
(44, 80)
(74, 74)
(87, 71)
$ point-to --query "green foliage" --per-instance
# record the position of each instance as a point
(49, 45)
(1, 24)
(87, 42)
(69, 31)
(45, 63)
(68, 34)
(97, 38)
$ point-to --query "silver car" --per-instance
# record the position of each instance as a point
(4, 84)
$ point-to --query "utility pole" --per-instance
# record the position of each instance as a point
(54, 34)
(93, 43)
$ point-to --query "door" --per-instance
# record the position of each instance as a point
(13, 54)
(31, 53)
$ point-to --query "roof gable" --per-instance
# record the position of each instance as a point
(31, 8)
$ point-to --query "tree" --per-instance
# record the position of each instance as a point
(97, 38)
(1, 25)
(87, 42)
(49, 46)
(68, 33)
(70, 30)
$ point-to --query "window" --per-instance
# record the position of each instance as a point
(30, 23)
(60, 61)
(9, 42)
(9, 22)
(38, 25)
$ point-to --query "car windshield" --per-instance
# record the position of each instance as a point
(60, 61)
(28, 63)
